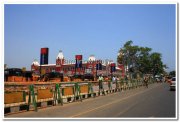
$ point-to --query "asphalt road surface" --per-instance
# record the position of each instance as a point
(157, 101)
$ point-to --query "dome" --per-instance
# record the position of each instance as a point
(60, 55)
(35, 62)
(92, 58)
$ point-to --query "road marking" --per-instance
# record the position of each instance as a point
(76, 115)
(126, 109)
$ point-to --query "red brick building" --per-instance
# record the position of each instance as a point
(68, 68)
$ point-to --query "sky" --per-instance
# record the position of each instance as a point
(98, 29)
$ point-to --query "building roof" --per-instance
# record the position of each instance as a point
(48, 65)
(60, 55)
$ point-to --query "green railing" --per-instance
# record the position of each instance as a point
(58, 89)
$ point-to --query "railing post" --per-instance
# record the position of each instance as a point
(77, 91)
(57, 92)
(91, 89)
(31, 94)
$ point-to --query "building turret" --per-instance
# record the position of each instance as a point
(60, 55)
(59, 61)
(35, 65)
(60, 58)
(91, 58)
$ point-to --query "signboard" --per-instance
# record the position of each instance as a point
(99, 66)
(78, 57)
(44, 56)
(113, 67)
(78, 61)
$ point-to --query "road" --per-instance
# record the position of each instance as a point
(153, 102)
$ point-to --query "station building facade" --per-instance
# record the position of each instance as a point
(68, 68)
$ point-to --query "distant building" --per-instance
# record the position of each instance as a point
(68, 68)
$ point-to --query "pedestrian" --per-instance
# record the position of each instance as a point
(101, 88)
(117, 84)
(113, 79)
(164, 79)
(110, 84)
(146, 81)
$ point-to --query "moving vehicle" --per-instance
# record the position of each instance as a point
(158, 78)
(173, 83)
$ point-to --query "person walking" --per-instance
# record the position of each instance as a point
(101, 88)
(117, 83)
(110, 84)
(146, 81)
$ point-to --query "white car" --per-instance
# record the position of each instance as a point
(173, 83)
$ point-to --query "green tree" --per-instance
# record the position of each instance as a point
(172, 73)
(128, 56)
(156, 63)
(165, 67)
(144, 60)
(140, 59)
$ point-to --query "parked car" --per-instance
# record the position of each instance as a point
(173, 83)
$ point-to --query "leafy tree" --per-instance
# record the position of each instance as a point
(144, 60)
(140, 60)
(128, 56)
(172, 73)
(156, 63)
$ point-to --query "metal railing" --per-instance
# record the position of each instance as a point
(35, 93)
